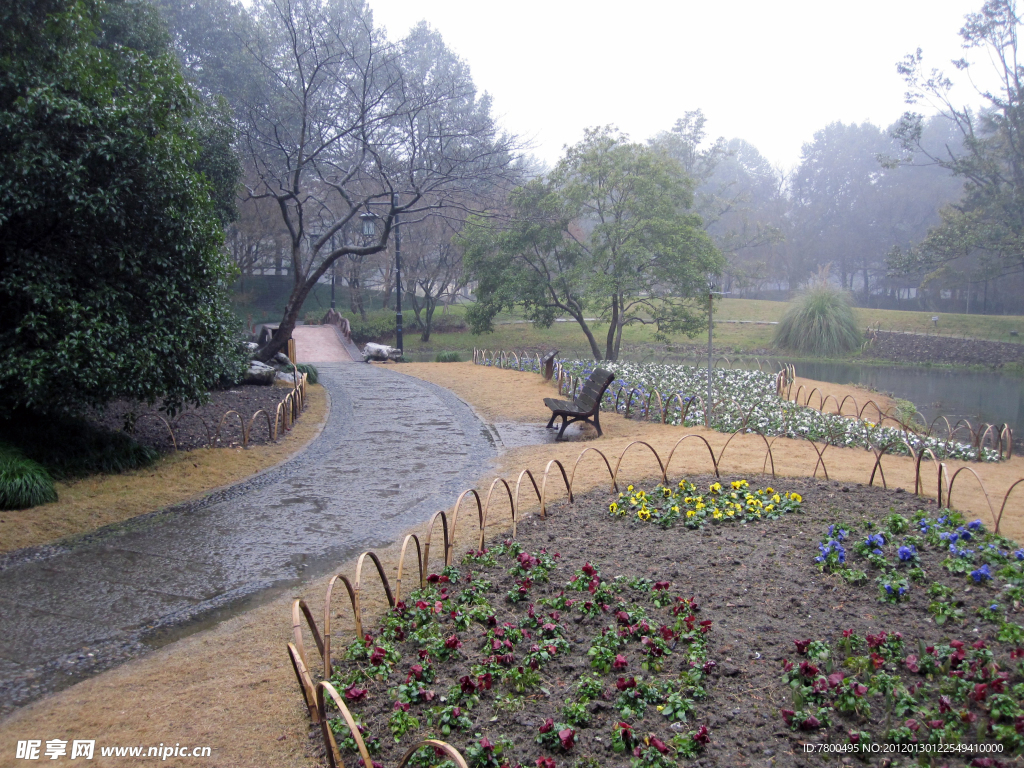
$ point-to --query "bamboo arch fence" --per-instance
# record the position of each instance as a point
(500, 489)
(654, 405)
(285, 416)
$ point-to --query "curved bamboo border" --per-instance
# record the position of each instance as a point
(449, 547)
(487, 506)
(295, 401)
(356, 614)
(452, 752)
(426, 544)
(330, 744)
(401, 563)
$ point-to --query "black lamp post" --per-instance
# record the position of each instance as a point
(334, 271)
(369, 230)
(711, 324)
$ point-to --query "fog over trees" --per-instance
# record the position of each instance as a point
(331, 119)
(331, 116)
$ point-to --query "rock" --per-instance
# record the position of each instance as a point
(252, 346)
(380, 352)
(287, 378)
(259, 373)
(282, 358)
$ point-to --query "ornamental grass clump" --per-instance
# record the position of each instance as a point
(819, 322)
(23, 482)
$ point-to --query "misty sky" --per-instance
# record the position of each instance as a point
(772, 73)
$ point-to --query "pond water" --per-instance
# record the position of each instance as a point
(982, 396)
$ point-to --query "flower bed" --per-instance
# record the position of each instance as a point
(748, 400)
(620, 631)
(934, 693)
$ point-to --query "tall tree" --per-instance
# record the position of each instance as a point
(988, 221)
(344, 122)
(609, 230)
(434, 269)
(735, 187)
(111, 264)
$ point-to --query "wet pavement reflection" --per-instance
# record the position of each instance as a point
(395, 450)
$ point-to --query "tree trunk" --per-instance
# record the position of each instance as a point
(284, 332)
(430, 306)
(355, 289)
(388, 287)
(612, 327)
(577, 315)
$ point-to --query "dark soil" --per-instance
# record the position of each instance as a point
(915, 348)
(761, 590)
(199, 427)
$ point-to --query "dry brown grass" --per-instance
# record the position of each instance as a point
(232, 688)
(91, 503)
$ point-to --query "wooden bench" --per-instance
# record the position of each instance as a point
(586, 407)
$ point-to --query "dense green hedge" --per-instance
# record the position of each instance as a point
(71, 447)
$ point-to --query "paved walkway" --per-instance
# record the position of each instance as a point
(394, 450)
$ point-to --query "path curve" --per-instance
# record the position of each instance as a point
(394, 450)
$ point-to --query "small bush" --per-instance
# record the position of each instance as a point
(23, 482)
(905, 411)
(819, 322)
(447, 324)
(315, 317)
(378, 327)
(448, 357)
(233, 367)
(69, 446)
(306, 368)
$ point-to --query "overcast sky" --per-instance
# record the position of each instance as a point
(772, 73)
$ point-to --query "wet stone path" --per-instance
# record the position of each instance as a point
(394, 450)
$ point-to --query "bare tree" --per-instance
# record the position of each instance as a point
(254, 239)
(345, 122)
(434, 267)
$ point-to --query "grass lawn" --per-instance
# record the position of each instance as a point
(511, 333)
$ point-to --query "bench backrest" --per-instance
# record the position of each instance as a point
(593, 390)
